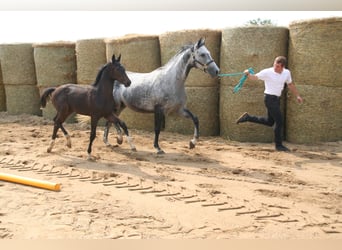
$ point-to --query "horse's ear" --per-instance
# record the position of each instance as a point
(119, 58)
(200, 42)
(113, 58)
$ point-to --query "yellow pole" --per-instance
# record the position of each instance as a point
(30, 181)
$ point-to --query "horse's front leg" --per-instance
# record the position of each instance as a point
(187, 114)
(117, 122)
(159, 118)
(94, 122)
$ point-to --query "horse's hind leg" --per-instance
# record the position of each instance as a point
(119, 138)
(67, 136)
(187, 114)
(159, 118)
(54, 135)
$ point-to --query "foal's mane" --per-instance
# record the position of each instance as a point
(98, 77)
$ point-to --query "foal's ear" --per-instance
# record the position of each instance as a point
(200, 42)
(118, 59)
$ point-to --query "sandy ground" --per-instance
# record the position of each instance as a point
(220, 189)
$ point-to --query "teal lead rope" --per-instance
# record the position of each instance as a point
(241, 81)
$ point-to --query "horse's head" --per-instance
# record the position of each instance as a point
(202, 59)
(118, 72)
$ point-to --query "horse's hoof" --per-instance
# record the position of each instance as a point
(48, 150)
(160, 152)
(134, 149)
(191, 145)
(119, 141)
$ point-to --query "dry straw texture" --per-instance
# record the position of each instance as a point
(241, 48)
(318, 118)
(172, 42)
(232, 105)
(17, 64)
(22, 99)
(202, 102)
(55, 63)
(90, 57)
(140, 53)
(255, 47)
(315, 52)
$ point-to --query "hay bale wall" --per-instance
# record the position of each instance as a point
(202, 102)
(55, 63)
(171, 43)
(241, 48)
(22, 99)
(17, 64)
(140, 53)
(318, 119)
(315, 52)
(90, 57)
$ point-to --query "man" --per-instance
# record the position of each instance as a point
(274, 79)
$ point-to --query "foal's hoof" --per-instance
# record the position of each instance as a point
(160, 152)
(134, 150)
(119, 140)
(48, 150)
(191, 145)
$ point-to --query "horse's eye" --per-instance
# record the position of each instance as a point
(202, 55)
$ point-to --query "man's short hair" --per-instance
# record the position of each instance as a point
(281, 60)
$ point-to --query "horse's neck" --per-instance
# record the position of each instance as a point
(181, 66)
(105, 87)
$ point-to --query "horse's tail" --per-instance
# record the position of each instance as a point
(45, 95)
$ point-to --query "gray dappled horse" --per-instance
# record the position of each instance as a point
(162, 91)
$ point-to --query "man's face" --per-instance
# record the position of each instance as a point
(278, 67)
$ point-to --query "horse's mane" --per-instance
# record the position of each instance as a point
(182, 49)
(98, 77)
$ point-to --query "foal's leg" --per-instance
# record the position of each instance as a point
(187, 114)
(106, 131)
(67, 136)
(54, 135)
(119, 123)
(94, 122)
(159, 118)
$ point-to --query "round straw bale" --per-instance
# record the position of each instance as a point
(140, 53)
(90, 56)
(50, 112)
(256, 47)
(232, 105)
(55, 63)
(171, 43)
(315, 51)
(17, 64)
(318, 118)
(22, 99)
(202, 102)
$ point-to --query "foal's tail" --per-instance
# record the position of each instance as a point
(45, 95)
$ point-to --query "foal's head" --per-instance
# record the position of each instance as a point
(118, 72)
(202, 58)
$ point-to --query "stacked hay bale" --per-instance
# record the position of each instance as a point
(201, 89)
(55, 65)
(140, 53)
(90, 57)
(2, 93)
(19, 79)
(315, 52)
(241, 48)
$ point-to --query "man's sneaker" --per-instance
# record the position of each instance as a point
(243, 118)
(282, 148)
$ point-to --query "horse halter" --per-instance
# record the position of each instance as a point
(204, 65)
